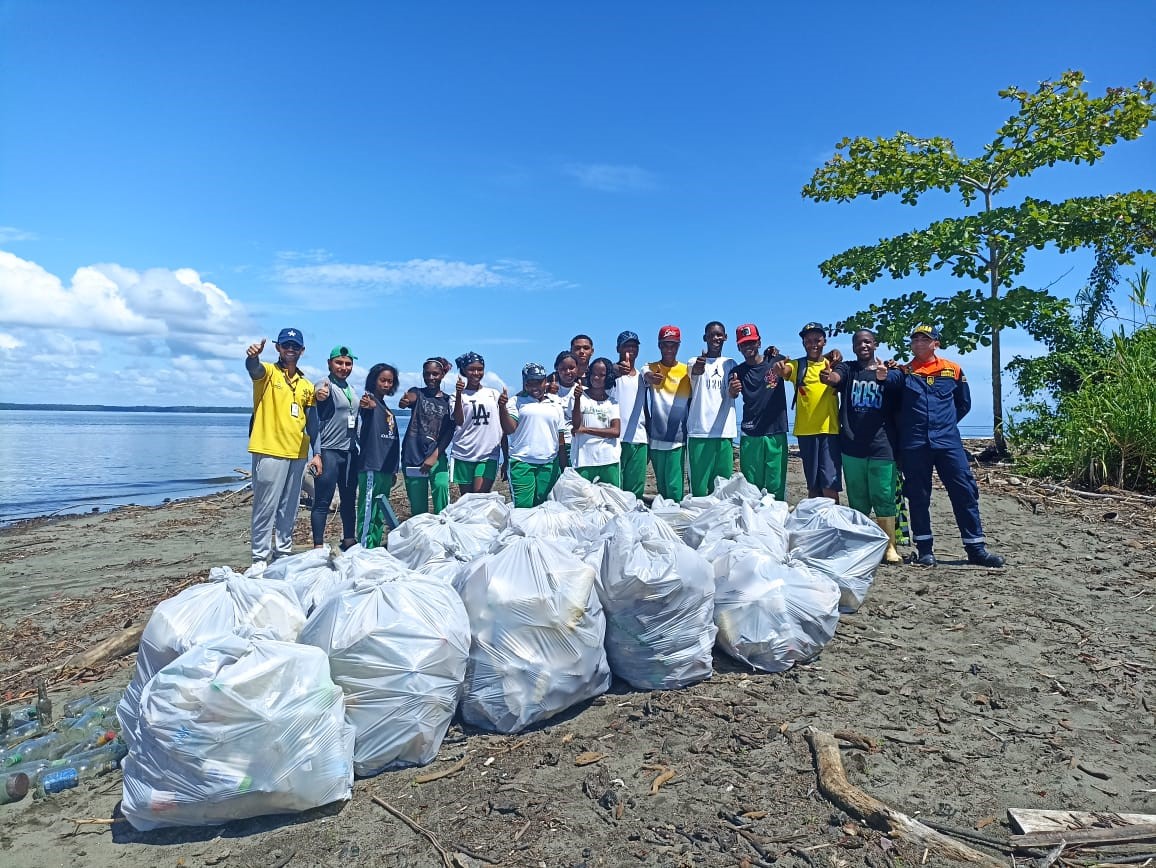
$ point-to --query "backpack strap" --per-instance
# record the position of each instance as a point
(800, 373)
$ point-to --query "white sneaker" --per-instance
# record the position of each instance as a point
(256, 569)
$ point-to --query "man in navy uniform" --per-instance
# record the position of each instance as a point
(935, 397)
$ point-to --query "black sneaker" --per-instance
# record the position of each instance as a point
(924, 559)
(979, 555)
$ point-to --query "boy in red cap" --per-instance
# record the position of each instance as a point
(668, 401)
(763, 441)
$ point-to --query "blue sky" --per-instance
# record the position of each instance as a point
(177, 180)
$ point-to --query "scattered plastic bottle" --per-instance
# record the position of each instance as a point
(15, 787)
(55, 745)
(43, 702)
(74, 707)
(81, 767)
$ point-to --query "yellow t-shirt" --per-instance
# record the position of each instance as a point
(276, 431)
(817, 407)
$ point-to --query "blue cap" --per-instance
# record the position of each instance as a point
(626, 337)
(291, 336)
(929, 330)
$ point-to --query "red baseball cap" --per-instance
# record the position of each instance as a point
(669, 333)
(746, 333)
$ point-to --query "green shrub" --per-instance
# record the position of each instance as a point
(1104, 432)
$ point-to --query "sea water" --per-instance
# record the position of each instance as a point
(59, 462)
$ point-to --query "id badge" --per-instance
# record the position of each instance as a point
(351, 422)
(294, 410)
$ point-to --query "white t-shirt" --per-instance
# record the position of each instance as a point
(535, 440)
(479, 437)
(630, 393)
(566, 396)
(591, 451)
(712, 409)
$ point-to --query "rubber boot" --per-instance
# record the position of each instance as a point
(978, 554)
(887, 524)
(923, 555)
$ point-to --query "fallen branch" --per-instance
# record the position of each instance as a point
(446, 857)
(834, 785)
(112, 648)
(430, 777)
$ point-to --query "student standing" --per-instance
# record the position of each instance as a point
(816, 415)
(712, 424)
(335, 465)
(427, 439)
(668, 401)
(565, 377)
(477, 442)
(278, 442)
(582, 346)
(534, 429)
(597, 426)
(763, 442)
(380, 457)
(869, 394)
(629, 391)
(936, 397)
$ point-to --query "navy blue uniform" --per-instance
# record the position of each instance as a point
(935, 397)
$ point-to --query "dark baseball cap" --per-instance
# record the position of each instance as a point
(813, 327)
(924, 329)
(625, 338)
(291, 336)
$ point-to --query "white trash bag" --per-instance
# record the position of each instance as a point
(658, 596)
(577, 530)
(839, 542)
(238, 728)
(577, 492)
(398, 648)
(681, 516)
(481, 508)
(312, 574)
(538, 633)
(439, 543)
(226, 604)
(772, 615)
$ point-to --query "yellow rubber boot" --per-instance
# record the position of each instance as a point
(887, 523)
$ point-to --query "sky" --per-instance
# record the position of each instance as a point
(180, 180)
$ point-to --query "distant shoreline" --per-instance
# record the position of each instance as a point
(140, 408)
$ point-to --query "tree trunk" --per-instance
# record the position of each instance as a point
(996, 360)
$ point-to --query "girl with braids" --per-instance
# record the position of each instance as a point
(477, 442)
(565, 378)
(597, 426)
(534, 428)
(427, 439)
(379, 456)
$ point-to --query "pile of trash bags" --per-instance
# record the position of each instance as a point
(270, 691)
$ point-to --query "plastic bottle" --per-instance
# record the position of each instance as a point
(74, 707)
(14, 787)
(115, 749)
(55, 745)
(43, 703)
(81, 767)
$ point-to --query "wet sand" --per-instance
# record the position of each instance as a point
(980, 689)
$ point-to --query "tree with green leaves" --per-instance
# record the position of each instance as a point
(987, 246)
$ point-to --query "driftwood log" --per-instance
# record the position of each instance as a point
(116, 645)
(834, 785)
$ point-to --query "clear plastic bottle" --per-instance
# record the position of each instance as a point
(78, 768)
(55, 745)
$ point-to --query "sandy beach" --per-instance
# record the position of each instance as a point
(973, 691)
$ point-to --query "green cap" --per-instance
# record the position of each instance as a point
(341, 351)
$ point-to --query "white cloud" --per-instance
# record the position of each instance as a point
(609, 178)
(11, 233)
(390, 277)
(174, 306)
(10, 342)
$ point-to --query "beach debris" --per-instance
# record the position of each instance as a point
(1045, 828)
(430, 777)
(115, 646)
(448, 859)
(834, 785)
(588, 757)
